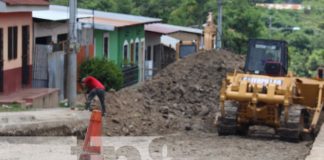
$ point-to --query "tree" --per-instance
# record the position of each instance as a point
(184, 14)
(105, 71)
(315, 60)
(297, 62)
(241, 22)
(300, 41)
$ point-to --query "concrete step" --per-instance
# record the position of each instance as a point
(34, 97)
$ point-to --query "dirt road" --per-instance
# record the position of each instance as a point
(203, 146)
(209, 146)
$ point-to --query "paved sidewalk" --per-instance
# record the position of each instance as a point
(317, 152)
(49, 122)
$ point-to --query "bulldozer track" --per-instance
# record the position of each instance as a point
(292, 130)
(227, 125)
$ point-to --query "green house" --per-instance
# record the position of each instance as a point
(119, 38)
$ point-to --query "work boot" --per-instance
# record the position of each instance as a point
(88, 109)
(87, 106)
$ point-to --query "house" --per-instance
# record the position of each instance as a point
(16, 47)
(166, 43)
(120, 38)
(113, 36)
(51, 29)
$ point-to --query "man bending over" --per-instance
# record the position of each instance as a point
(94, 88)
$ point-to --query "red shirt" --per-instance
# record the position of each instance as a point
(92, 83)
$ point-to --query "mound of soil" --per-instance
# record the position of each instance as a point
(182, 97)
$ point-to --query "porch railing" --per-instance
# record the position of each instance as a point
(130, 74)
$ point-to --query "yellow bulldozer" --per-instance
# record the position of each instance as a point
(266, 94)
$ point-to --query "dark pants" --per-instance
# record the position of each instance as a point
(101, 95)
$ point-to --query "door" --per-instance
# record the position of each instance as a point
(106, 45)
(132, 53)
(1, 60)
(25, 55)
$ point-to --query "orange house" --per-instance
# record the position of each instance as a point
(16, 43)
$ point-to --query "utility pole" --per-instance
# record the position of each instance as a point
(71, 62)
(270, 27)
(219, 25)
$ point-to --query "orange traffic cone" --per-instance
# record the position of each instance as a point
(92, 144)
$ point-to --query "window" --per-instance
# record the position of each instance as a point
(136, 52)
(44, 40)
(106, 45)
(12, 42)
(62, 37)
(125, 54)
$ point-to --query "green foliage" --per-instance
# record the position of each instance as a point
(300, 40)
(14, 107)
(298, 59)
(60, 2)
(315, 60)
(305, 63)
(241, 22)
(179, 16)
(105, 71)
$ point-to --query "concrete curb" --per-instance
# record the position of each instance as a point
(49, 122)
(317, 152)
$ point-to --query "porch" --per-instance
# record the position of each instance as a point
(33, 98)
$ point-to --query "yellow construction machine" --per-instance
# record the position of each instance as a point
(267, 94)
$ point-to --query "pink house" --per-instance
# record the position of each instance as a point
(16, 47)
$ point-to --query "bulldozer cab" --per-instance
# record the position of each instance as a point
(267, 57)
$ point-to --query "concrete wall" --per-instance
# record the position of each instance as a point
(113, 46)
(12, 68)
(43, 29)
(152, 39)
(19, 20)
(133, 34)
(183, 36)
(117, 40)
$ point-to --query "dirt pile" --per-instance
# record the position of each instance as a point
(184, 96)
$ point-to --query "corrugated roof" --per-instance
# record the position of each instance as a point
(168, 28)
(120, 16)
(160, 29)
(53, 15)
(26, 2)
(109, 19)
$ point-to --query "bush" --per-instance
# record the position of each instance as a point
(107, 72)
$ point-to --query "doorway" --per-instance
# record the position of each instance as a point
(1, 60)
(25, 55)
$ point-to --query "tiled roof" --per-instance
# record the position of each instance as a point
(168, 28)
(26, 2)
